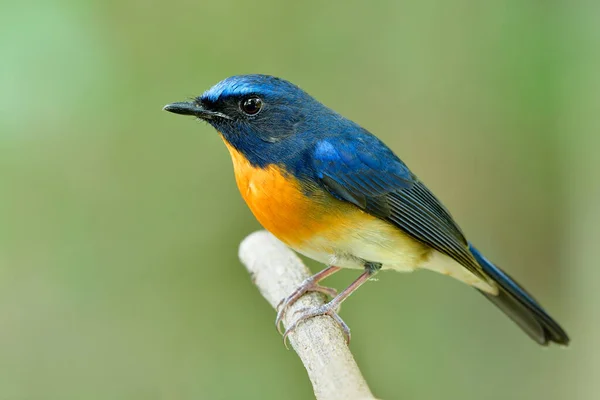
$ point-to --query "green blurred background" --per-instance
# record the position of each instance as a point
(120, 223)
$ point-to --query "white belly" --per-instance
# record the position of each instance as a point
(374, 241)
(380, 242)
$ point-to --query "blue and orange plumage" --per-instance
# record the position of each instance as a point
(334, 192)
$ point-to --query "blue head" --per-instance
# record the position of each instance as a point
(264, 117)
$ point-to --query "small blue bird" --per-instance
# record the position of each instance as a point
(334, 192)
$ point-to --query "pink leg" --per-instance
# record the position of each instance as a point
(331, 307)
(309, 285)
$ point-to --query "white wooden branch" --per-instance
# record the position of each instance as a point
(277, 271)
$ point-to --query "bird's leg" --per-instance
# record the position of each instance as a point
(332, 307)
(309, 285)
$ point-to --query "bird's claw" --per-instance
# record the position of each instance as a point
(329, 309)
(308, 285)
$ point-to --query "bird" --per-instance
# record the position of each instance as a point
(333, 192)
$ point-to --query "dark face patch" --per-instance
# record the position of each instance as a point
(261, 110)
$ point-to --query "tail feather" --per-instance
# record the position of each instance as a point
(520, 306)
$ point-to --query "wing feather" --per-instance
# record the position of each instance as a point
(377, 181)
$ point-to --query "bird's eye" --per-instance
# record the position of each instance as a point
(251, 105)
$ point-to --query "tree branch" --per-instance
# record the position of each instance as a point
(319, 342)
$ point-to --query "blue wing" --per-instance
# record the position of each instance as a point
(363, 171)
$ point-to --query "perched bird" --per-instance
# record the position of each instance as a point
(334, 192)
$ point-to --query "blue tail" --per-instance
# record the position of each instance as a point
(520, 306)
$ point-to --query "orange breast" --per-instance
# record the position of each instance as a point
(320, 226)
(278, 201)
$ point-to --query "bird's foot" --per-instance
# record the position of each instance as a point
(309, 285)
(330, 309)
(333, 306)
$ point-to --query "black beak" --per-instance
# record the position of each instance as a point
(192, 108)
